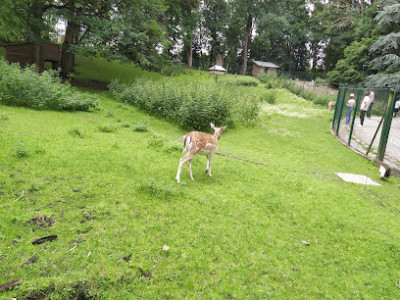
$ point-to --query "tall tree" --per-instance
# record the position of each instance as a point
(387, 46)
(214, 21)
(353, 68)
(181, 22)
(337, 19)
(244, 14)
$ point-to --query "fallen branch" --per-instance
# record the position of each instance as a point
(10, 285)
(22, 195)
(223, 247)
(372, 196)
(72, 248)
(44, 239)
(212, 287)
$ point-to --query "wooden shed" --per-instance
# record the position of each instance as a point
(28, 54)
(261, 67)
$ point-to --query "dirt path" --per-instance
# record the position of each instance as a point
(322, 89)
(362, 137)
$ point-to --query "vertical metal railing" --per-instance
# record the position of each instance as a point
(386, 125)
(340, 109)
(336, 106)
(361, 137)
(358, 100)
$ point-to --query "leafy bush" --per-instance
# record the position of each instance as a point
(107, 128)
(239, 81)
(175, 70)
(269, 97)
(3, 117)
(142, 127)
(76, 133)
(158, 189)
(20, 150)
(194, 105)
(320, 80)
(28, 88)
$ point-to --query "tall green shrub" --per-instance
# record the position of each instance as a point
(26, 87)
(193, 104)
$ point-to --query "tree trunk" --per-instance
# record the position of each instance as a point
(362, 7)
(249, 27)
(67, 58)
(189, 54)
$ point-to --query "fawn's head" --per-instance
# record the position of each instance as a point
(217, 130)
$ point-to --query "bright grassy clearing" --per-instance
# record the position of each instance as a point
(236, 235)
(99, 69)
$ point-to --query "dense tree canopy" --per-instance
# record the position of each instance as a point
(336, 37)
(387, 47)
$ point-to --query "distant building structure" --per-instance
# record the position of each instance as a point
(217, 70)
(261, 67)
(28, 54)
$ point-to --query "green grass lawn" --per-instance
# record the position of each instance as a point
(99, 69)
(109, 193)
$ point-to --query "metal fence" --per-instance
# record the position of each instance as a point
(379, 136)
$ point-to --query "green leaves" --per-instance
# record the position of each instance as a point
(194, 105)
(28, 88)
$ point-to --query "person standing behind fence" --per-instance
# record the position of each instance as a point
(396, 107)
(364, 107)
(371, 103)
(350, 105)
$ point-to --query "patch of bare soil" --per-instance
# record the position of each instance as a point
(42, 221)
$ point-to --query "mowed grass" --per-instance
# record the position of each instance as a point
(115, 205)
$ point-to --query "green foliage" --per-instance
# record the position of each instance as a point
(353, 68)
(20, 150)
(42, 91)
(116, 204)
(320, 80)
(239, 80)
(95, 69)
(2, 52)
(107, 128)
(175, 70)
(142, 127)
(277, 82)
(76, 132)
(269, 97)
(161, 190)
(3, 117)
(386, 48)
(192, 104)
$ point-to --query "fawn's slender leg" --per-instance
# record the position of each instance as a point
(209, 164)
(190, 168)
(181, 162)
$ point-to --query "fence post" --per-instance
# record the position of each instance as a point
(341, 109)
(386, 125)
(359, 94)
(336, 107)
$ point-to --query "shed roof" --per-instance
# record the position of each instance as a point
(217, 68)
(264, 64)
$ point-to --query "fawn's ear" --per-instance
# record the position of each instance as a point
(224, 127)
(212, 125)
